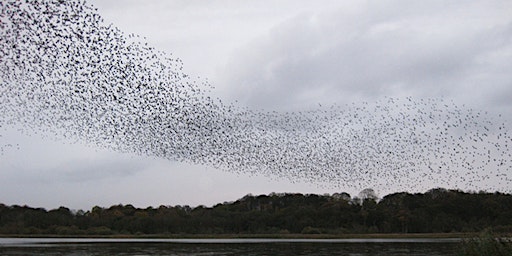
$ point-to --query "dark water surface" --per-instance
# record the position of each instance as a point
(250, 247)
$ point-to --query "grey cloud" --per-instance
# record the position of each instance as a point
(86, 171)
(41, 160)
(78, 170)
(344, 56)
(356, 52)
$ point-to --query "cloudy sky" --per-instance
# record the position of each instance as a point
(274, 55)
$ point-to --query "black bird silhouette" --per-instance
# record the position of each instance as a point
(67, 74)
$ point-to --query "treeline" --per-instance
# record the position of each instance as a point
(436, 211)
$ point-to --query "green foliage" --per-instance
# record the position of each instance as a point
(437, 210)
(311, 230)
(486, 244)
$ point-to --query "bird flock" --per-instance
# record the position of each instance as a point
(66, 74)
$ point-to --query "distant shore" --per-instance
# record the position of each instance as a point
(245, 236)
(436, 213)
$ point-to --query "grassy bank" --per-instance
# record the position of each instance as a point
(486, 244)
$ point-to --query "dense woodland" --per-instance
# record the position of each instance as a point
(436, 211)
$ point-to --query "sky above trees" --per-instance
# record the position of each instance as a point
(286, 56)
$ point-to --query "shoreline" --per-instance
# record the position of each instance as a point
(256, 236)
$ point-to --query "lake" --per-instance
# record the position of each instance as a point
(249, 247)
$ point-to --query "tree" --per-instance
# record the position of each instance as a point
(368, 193)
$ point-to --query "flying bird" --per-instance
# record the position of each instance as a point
(67, 74)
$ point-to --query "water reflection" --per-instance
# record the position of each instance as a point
(78, 247)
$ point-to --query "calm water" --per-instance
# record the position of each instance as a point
(249, 247)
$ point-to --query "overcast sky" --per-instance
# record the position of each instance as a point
(274, 55)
